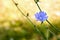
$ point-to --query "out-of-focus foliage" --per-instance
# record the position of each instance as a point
(25, 31)
(14, 26)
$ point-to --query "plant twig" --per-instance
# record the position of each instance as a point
(47, 20)
(53, 26)
(37, 5)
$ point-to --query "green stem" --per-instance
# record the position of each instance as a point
(47, 20)
(23, 13)
(52, 33)
(47, 35)
(38, 6)
(41, 33)
(53, 26)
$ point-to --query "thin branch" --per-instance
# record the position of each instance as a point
(47, 20)
(37, 5)
(53, 26)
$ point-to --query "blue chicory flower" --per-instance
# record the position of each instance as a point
(41, 16)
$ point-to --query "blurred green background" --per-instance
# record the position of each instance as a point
(14, 26)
